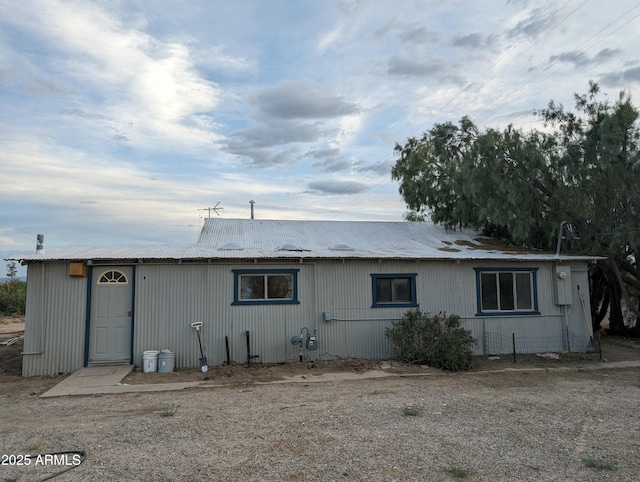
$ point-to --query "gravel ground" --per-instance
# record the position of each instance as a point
(529, 425)
(525, 421)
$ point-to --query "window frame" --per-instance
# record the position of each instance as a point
(394, 304)
(238, 273)
(108, 277)
(491, 312)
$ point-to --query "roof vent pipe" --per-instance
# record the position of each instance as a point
(40, 244)
(252, 203)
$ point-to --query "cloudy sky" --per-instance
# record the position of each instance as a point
(121, 120)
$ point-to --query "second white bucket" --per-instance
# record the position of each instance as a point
(150, 361)
(166, 361)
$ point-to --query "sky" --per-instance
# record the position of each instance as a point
(122, 122)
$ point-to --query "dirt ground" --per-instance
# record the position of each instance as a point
(613, 349)
(532, 423)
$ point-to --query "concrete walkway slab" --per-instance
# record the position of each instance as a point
(89, 379)
(150, 387)
(106, 379)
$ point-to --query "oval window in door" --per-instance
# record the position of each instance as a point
(113, 276)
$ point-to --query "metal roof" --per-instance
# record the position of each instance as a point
(277, 239)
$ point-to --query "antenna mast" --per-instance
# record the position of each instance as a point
(215, 209)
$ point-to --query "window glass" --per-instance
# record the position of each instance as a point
(279, 286)
(264, 286)
(112, 277)
(394, 290)
(383, 290)
(489, 290)
(252, 287)
(523, 291)
(402, 289)
(506, 290)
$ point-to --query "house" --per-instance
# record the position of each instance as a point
(256, 284)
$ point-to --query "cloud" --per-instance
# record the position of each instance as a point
(418, 35)
(378, 168)
(403, 66)
(332, 165)
(329, 160)
(581, 59)
(128, 73)
(323, 153)
(619, 79)
(336, 187)
(534, 24)
(82, 114)
(275, 133)
(301, 100)
(214, 57)
(293, 112)
(475, 41)
(264, 158)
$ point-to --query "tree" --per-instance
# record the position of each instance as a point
(12, 271)
(13, 293)
(582, 169)
(414, 217)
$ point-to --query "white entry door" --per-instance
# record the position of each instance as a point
(110, 322)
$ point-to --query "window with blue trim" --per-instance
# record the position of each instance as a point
(504, 291)
(393, 290)
(265, 286)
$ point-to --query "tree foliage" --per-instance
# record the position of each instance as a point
(583, 168)
(13, 294)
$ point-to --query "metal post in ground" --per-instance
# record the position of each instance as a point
(600, 344)
(513, 337)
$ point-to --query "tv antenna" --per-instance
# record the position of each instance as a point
(216, 209)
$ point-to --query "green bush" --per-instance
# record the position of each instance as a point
(13, 297)
(437, 340)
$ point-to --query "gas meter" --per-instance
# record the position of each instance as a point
(312, 342)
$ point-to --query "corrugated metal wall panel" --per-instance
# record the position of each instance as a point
(270, 326)
(476, 327)
(532, 334)
(55, 320)
(358, 330)
(354, 338)
(168, 298)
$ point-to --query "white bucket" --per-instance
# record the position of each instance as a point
(166, 361)
(150, 361)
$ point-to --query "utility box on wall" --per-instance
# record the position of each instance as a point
(562, 285)
(78, 270)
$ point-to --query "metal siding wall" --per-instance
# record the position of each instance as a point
(344, 289)
(170, 297)
(55, 320)
(476, 326)
(533, 334)
(357, 330)
(578, 323)
(270, 326)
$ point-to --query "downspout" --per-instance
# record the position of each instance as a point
(566, 324)
(133, 310)
(560, 236)
(87, 315)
